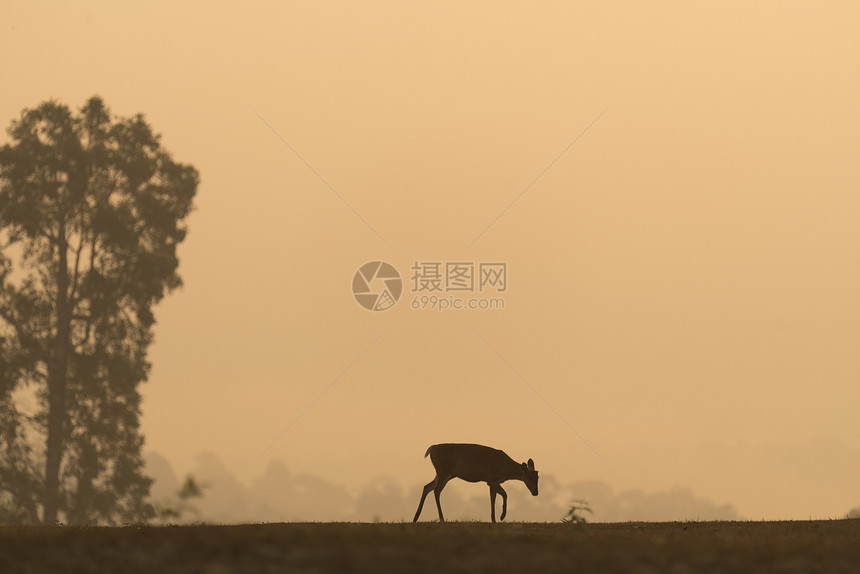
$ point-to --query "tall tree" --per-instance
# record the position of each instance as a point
(92, 209)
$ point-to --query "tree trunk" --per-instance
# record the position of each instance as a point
(57, 370)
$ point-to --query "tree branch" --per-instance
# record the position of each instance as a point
(28, 342)
(76, 274)
(88, 318)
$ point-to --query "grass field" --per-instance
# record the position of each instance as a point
(677, 547)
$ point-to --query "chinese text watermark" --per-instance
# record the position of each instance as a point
(435, 285)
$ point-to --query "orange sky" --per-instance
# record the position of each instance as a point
(683, 281)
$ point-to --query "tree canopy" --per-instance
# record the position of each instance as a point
(92, 209)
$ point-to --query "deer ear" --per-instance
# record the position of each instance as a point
(531, 464)
(525, 467)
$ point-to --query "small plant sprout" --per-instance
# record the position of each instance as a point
(574, 515)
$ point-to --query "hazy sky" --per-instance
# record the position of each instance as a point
(682, 282)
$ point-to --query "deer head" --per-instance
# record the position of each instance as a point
(530, 476)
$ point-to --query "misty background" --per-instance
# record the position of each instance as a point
(683, 280)
(279, 495)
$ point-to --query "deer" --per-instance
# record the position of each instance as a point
(476, 463)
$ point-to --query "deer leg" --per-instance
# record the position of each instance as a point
(437, 491)
(493, 502)
(504, 501)
(427, 488)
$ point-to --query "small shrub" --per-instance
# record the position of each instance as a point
(190, 490)
(574, 515)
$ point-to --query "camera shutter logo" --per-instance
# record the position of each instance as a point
(377, 286)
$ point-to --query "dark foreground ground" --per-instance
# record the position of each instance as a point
(679, 547)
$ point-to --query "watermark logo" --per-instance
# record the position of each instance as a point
(435, 285)
(377, 286)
